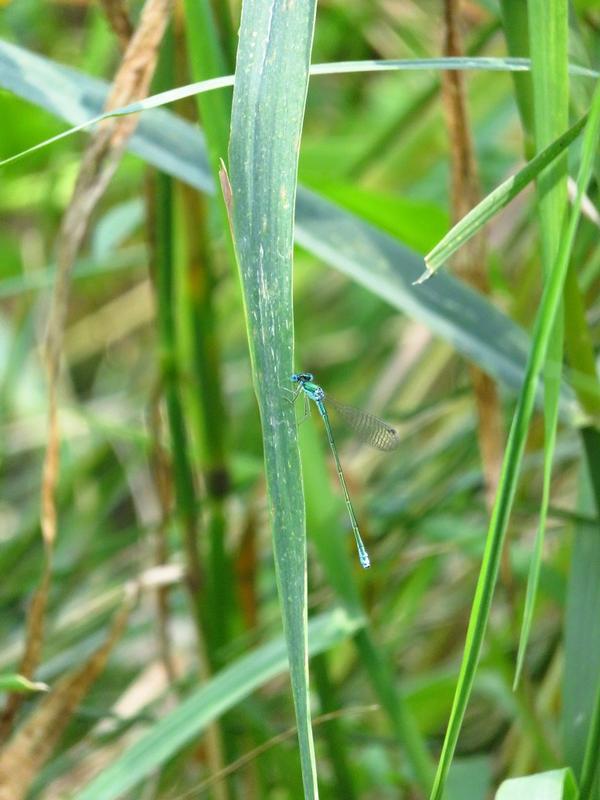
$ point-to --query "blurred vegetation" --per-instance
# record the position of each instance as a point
(161, 448)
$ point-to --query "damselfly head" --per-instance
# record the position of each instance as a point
(302, 377)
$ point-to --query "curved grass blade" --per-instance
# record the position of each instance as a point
(10, 79)
(370, 429)
(488, 575)
(455, 63)
(269, 99)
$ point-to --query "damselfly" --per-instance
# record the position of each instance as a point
(370, 429)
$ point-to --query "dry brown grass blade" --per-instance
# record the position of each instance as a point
(34, 741)
(469, 262)
(99, 163)
(101, 159)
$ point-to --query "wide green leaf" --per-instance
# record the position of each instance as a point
(269, 99)
(555, 785)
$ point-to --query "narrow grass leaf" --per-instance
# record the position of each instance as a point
(491, 205)
(548, 34)
(460, 63)
(513, 458)
(269, 99)
(535, 563)
(221, 693)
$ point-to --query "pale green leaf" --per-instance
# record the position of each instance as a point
(269, 99)
(555, 785)
(12, 682)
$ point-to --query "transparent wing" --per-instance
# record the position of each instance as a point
(369, 429)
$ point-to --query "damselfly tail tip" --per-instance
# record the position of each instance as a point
(365, 561)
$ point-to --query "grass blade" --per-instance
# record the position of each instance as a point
(548, 34)
(266, 124)
(491, 205)
(548, 38)
(535, 564)
(207, 61)
(10, 81)
(513, 457)
(196, 712)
